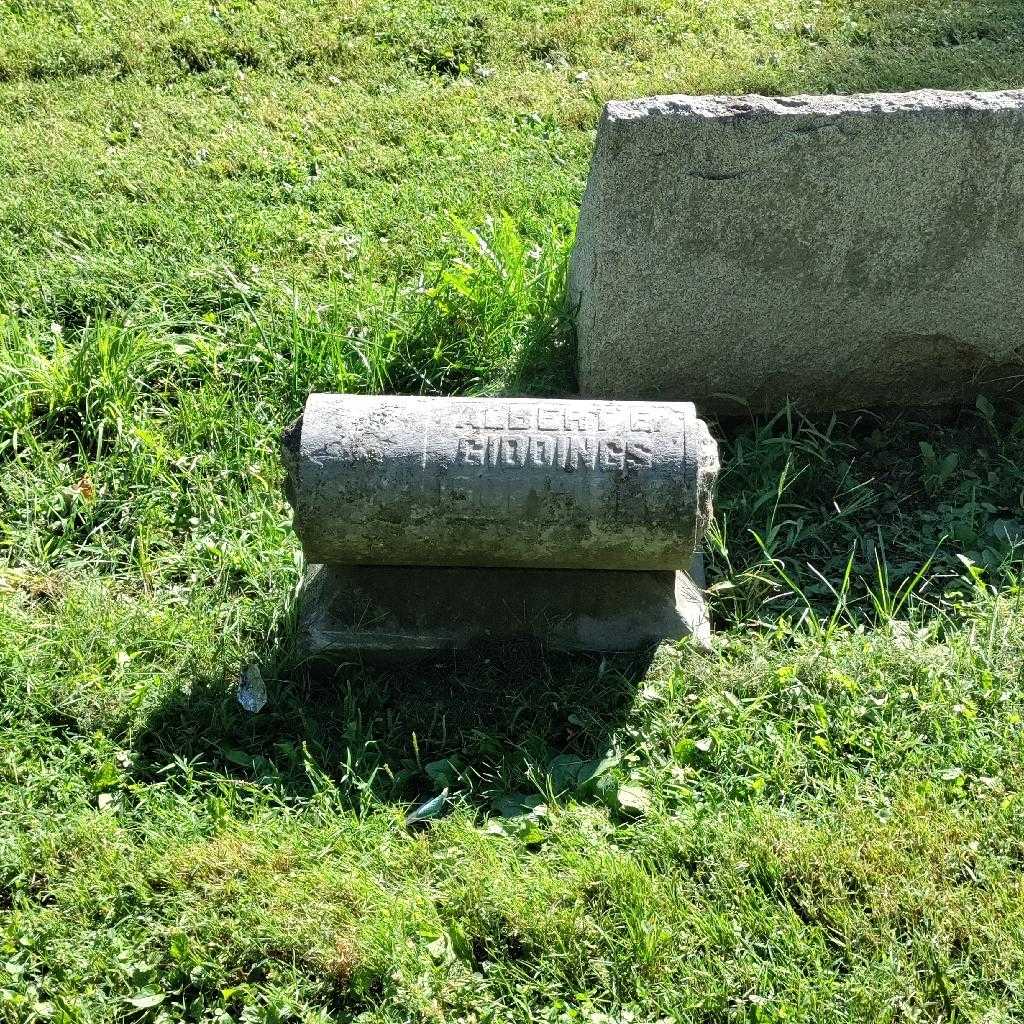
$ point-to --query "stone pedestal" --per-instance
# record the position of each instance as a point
(388, 612)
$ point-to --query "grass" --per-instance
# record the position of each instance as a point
(209, 210)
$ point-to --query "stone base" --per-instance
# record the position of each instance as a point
(403, 611)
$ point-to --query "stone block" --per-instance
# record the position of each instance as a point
(396, 612)
(843, 251)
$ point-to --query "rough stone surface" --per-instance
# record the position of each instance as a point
(393, 612)
(514, 483)
(844, 251)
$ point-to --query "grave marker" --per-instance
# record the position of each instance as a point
(432, 523)
(842, 251)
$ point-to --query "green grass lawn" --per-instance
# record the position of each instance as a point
(208, 210)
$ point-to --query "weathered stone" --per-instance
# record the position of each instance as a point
(408, 611)
(438, 524)
(843, 251)
(515, 483)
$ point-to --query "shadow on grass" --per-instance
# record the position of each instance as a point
(875, 492)
(504, 724)
(880, 493)
(852, 506)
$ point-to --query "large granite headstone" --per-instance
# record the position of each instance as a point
(842, 251)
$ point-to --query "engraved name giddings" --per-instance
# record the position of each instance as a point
(559, 437)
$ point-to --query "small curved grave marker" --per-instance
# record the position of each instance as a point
(433, 523)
